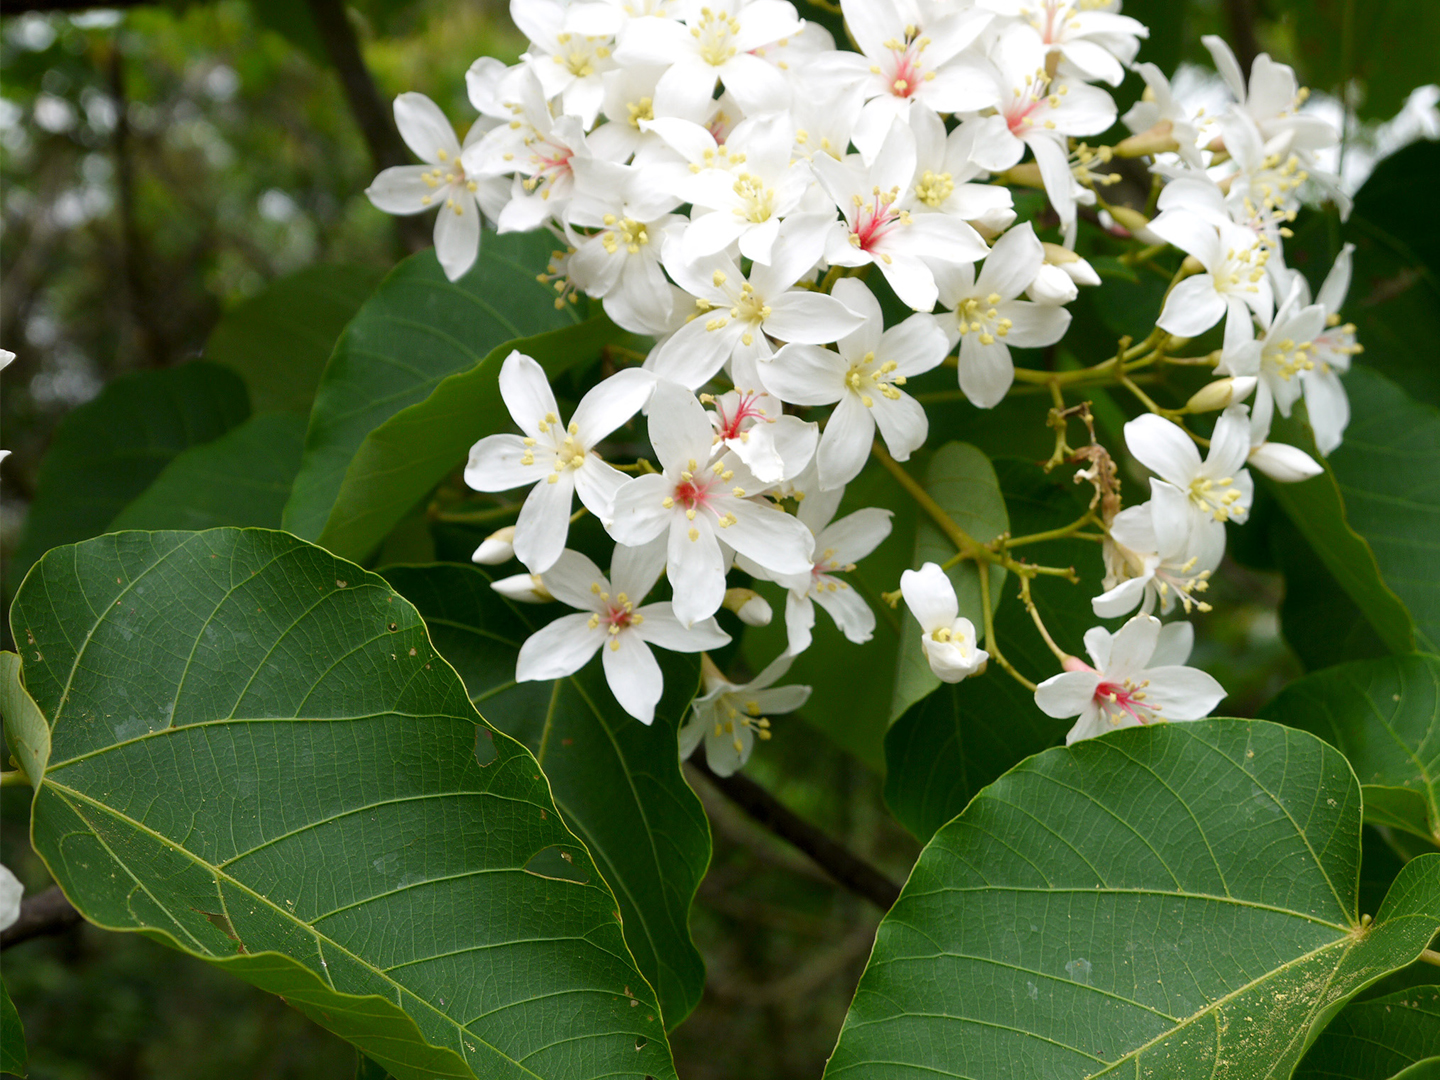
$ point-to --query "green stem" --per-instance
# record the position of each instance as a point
(14, 778)
(991, 645)
(474, 517)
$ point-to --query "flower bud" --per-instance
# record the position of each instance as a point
(523, 588)
(496, 548)
(1159, 139)
(1052, 286)
(1078, 270)
(1128, 219)
(1283, 463)
(1221, 393)
(752, 608)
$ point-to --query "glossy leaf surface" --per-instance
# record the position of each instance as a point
(1171, 901)
(258, 757)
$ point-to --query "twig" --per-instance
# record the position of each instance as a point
(842, 864)
(44, 913)
(386, 147)
(1430, 956)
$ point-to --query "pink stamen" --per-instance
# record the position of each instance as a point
(873, 222)
(746, 409)
(1115, 698)
(693, 494)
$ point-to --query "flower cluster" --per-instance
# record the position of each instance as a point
(728, 180)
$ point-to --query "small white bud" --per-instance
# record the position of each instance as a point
(523, 588)
(752, 608)
(1221, 394)
(497, 548)
(10, 893)
(5, 357)
(1283, 463)
(1052, 286)
(1080, 271)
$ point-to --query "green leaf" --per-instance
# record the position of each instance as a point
(107, 451)
(617, 782)
(1172, 901)
(944, 749)
(407, 455)
(242, 478)
(1388, 471)
(1388, 45)
(417, 329)
(1384, 716)
(279, 340)
(1384, 1038)
(1324, 516)
(258, 758)
(26, 730)
(13, 1057)
(962, 481)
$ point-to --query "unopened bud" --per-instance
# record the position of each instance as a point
(1052, 286)
(1160, 139)
(1192, 265)
(1128, 219)
(752, 608)
(496, 548)
(1221, 393)
(1078, 270)
(523, 588)
(1283, 463)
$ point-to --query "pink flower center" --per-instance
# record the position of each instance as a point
(873, 220)
(907, 74)
(747, 408)
(1118, 700)
(621, 616)
(693, 494)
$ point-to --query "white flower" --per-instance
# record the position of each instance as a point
(1217, 490)
(986, 317)
(944, 169)
(864, 377)
(1057, 282)
(729, 716)
(1153, 555)
(1159, 113)
(444, 182)
(838, 546)
(698, 503)
(1273, 98)
(570, 65)
(1279, 356)
(1281, 462)
(615, 623)
(620, 260)
(1234, 282)
(559, 460)
(738, 316)
(538, 148)
(744, 204)
(749, 607)
(879, 228)
(913, 60)
(1039, 112)
(753, 425)
(10, 891)
(1138, 678)
(1096, 43)
(713, 42)
(948, 640)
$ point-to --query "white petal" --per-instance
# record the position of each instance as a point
(1192, 307)
(497, 464)
(692, 356)
(663, 629)
(610, 403)
(1177, 639)
(1035, 325)
(986, 371)
(799, 621)
(526, 392)
(1163, 448)
(1182, 693)
(597, 484)
(806, 375)
(401, 189)
(1121, 600)
(570, 579)
(1283, 463)
(930, 596)
(856, 535)
(1012, 263)
(561, 648)
(679, 429)
(697, 570)
(457, 236)
(813, 318)
(425, 129)
(845, 442)
(633, 675)
(850, 612)
(1067, 694)
(1131, 647)
(544, 522)
(638, 512)
(902, 423)
(770, 537)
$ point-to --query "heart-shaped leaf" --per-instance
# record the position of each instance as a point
(1385, 1038)
(617, 782)
(1384, 716)
(1171, 901)
(257, 756)
(417, 329)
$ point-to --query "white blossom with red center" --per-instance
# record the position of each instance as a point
(729, 716)
(909, 63)
(701, 503)
(753, 425)
(878, 228)
(1093, 39)
(612, 620)
(1136, 676)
